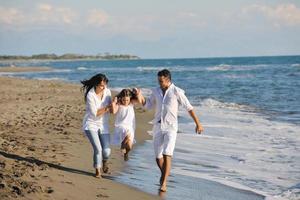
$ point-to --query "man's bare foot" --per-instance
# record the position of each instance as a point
(163, 188)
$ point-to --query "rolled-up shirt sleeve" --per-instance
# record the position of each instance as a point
(183, 100)
(91, 105)
(150, 101)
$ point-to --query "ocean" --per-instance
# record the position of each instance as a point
(250, 109)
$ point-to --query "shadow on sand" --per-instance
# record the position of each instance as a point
(38, 162)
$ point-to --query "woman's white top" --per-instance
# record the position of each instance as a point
(91, 121)
(125, 117)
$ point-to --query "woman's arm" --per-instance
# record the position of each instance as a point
(103, 110)
(90, 101)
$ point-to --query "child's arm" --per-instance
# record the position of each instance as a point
(114, 105)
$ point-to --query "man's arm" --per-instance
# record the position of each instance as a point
(147, 103)
(184, 102)
(199, 129)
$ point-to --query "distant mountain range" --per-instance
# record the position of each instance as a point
(70, 56)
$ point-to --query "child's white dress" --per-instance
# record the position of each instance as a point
(124, 124)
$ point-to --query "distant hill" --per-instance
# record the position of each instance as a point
(70, 56)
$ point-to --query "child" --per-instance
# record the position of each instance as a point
(122, 106)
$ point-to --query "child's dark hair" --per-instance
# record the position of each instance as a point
(127, 93)
(93, 82)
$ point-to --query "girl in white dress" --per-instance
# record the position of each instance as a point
(123, 107)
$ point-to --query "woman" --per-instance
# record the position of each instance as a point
(96, 120)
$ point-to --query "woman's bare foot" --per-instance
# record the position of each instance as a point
(105, 167)
(98, 173)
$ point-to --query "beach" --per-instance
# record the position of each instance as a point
(43, 151)
(221, 80)
(249, 149)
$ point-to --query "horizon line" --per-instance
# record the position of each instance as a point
(162, 58)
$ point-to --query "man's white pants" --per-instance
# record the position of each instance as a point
(163, 141)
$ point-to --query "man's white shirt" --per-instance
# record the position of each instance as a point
(166, 106)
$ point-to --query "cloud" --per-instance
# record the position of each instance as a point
(45, 7)
(283, 14)
(54, 14)
(98, 21)
(97, 17)
(10, 16)
(42, 14)
(150, 27)
(191, 19)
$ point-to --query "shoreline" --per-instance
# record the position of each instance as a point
(64, 60)
(43, 152)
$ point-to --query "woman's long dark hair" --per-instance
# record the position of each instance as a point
(92, 82)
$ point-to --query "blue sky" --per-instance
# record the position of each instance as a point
(151, 29)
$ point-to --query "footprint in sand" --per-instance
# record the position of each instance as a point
(102, 196)
(17, 190)
(2, 164)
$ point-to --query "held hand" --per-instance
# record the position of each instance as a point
(199, 129)
(137, 91)
(115, 100)
(139, 95)
(107, 108)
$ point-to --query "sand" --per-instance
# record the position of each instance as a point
(43, 152)
(24, 69)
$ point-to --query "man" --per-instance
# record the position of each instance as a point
(166, 100)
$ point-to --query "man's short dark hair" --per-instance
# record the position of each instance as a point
(165, 73)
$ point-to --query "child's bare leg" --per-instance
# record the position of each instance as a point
(128, 145)
(123, 145)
